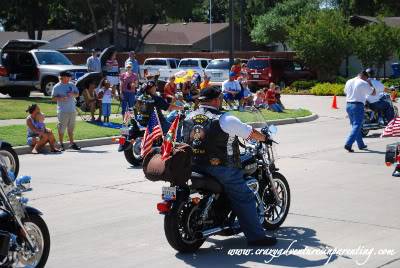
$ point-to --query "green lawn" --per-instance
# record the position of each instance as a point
(15, 108)
(265, 115)
(16, 134)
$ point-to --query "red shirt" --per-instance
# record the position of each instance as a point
(169, 89)
(236, 69)
(270, 97)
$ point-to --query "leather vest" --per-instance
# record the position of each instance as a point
(210, 144)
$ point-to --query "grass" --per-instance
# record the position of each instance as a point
(15, 108)
(16, 134)
(266, 115)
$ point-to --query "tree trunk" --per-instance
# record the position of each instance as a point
(94, 22)
(115, 22)
(141, 40)
(39, 34)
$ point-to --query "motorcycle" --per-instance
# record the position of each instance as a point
(374, 120)
(201, 208)
(24, 237)
(9, 157)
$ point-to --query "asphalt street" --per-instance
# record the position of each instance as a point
(102, 213)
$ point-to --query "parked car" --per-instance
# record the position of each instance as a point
(163, 66)
(196, 64)
(263, 70)
(218, 70)
(24, 67)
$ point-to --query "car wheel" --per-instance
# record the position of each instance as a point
(47, 85)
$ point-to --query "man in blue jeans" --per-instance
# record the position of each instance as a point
(357, 89)
(213, 136)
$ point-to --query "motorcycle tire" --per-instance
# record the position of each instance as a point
(41, 224)
(281, 179)
(8, 152)
(130, 157)
(174, 238)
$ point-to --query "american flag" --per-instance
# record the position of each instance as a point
(392, 129)
(153, 132)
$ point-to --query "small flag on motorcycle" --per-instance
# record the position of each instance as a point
(153, 132)
(170, 137)
(392, 129)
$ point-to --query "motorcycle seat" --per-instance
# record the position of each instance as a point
(206, 182)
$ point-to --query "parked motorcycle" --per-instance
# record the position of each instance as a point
(24, 237)
(374, 120)
(10, 157)
(201, 208)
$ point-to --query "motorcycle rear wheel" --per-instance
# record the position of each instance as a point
(272, 222)
(132, 155)
(176, 225)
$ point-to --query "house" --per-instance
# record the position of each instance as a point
(175, 37)
(58, 39)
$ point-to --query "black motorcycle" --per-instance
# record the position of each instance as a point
(9, 157)
(24, 237)
(201, 209)
(374, 120)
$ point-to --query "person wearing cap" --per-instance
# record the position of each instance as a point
(213, 136)
(128, 83)
(232, 91)
(376, 102)
(93, 62)
(65, 93)
(357, 89)
(134, 63)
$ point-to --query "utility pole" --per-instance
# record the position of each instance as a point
(210, 25)
(241, 25)
(231, 46)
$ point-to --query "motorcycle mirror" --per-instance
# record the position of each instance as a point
(272, 129)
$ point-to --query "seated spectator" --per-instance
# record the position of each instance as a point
(91, 101)
(179, 101)
(37, 133)
(170, 90)
(236, 68)
(278, 97)
(190, 93)
(247, 95)
(260, 100)
(271, 99)
(205, 83)
(232, 91)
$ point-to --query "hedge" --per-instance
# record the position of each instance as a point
(303, 84)
(328, 89)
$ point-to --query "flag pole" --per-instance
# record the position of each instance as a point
(159, 123)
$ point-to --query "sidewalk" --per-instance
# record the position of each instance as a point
(9, 122)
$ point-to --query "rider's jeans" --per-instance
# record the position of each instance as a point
(385, 107)
(241, 197)
(355, 110)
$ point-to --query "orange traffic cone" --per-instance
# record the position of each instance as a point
(334, 103)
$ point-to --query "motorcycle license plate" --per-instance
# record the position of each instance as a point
(124, 131)
(256, 76)
(168, 193)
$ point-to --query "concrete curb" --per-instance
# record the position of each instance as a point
(108, 140)
(285, 121)
(82, 143)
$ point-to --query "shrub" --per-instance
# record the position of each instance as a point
(328, 89)
(303, 84)
(291, 91)
(391, 82)
(340, 80)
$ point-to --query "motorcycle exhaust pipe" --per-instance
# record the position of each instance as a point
(210, 232)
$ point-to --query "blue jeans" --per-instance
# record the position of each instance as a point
(356, 116)
(385, 108)
(106, 108)
(276, 107)
(241, 197)
(128, 101)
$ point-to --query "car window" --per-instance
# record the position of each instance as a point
(156, 62)
(172, 63)
(204, 63)
(218, 64)
(257, 64)
(52, 58)
(189, 63)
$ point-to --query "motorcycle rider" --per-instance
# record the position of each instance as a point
(376, 102)
(213, 136)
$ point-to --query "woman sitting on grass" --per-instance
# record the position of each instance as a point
(37, 133)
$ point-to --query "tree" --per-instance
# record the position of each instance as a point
(376, 43)
(273, 26)
(322, 40)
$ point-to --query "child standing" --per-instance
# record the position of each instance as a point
(107, 93)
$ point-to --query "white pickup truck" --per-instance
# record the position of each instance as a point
(163, 66)
(195, 64)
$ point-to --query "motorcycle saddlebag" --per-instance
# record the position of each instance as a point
(392, 151)
(175, 169)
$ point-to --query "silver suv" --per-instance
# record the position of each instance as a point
(24, 67)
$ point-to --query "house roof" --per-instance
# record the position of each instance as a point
(182, 33)
(389, 21)
(47, 35)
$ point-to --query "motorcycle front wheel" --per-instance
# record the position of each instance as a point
(276, 212)
(132, 155)
(39, 234)
(10, 158)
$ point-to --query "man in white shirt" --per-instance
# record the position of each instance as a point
(357, 89)
(376, 102)
(232, 90)
(93, 62)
